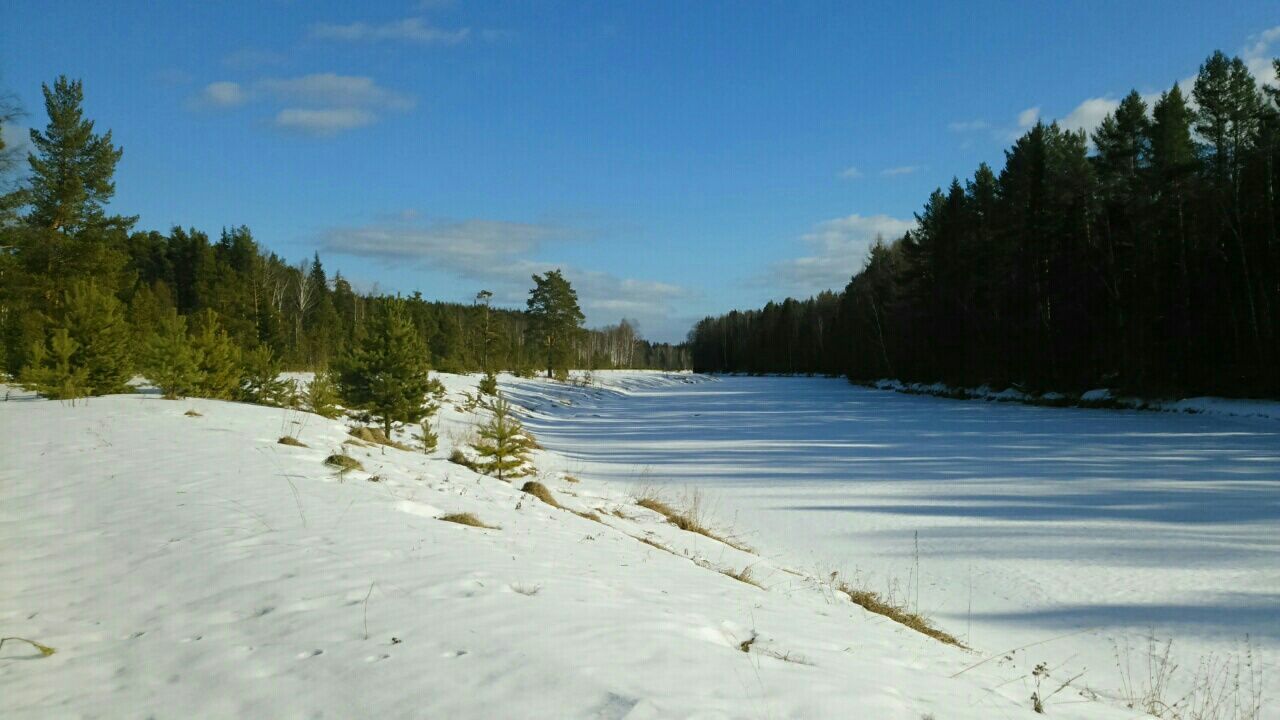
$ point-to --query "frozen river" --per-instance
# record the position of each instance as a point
(1023, 524)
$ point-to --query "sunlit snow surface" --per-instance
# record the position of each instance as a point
(1032, 522)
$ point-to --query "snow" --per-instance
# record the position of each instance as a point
(189, 565)
(1080, 530)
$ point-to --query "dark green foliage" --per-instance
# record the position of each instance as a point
(428, 437)
(1150, 265)
(503, 445)
(72, 168)
(555, 319)
(386, 376)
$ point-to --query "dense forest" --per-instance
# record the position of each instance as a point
(1142, 257)
(79, 285)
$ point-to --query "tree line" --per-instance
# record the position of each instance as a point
(87, 301)
(1142, 257)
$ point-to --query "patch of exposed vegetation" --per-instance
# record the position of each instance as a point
(876, 603)
(375, 436)
(345, 463)
(291, 441)
(690, 518)
(467, 519)
(541, 492)
(744, 576)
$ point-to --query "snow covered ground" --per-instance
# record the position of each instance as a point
(1078, 530)
(183, 563)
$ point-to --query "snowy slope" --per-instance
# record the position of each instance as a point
(191, 566)
(1074, 531)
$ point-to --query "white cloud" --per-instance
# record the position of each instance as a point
(320, 104)
(323, 123)
(222, 94)
(1028, 117)
(1259, 53)
(851, 173)
(413, 30)
(902, 170)
(838, 248)
(331, 89)
(1089, 114)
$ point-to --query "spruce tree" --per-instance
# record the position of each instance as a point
(169, 361)
(387, 376)
(554, 319)
(503, 446)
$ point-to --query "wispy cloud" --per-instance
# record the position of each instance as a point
(900, 170)
(320, 104)
(851, 173)
(1258, 54)
(409, 30)
(323, 123)
(837, 250)
(1029, 117)
(220, 95)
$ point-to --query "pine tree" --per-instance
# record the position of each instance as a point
(555, 319)
(489, 384)
(261, 382)
(387, 377)
(503, 445)
(72, 167)
(52, 372)
(218, 368)
(95, 345)
(322, 395)
(170, 362)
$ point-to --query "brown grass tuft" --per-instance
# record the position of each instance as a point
(291, 440)
(743, 576)
(466, 519)
(874, 602)
(343, 462)
(541, 492)
(192, 413)
(571, 479)
(376, 436)
(689, 519)
(457, 457)
(587, 515)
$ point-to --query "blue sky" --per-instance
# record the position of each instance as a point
(676, 158)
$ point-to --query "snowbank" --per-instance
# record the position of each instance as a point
(183, 562)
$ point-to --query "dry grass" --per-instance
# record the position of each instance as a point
(457, 457)
(44, 650)
(541, 492)
(192, 413)
(377, 437)
(690, 518)
(587, 515)
(291, 441)
(874, 602)
(571, 479)
(343, 462)
(467, 519)
(657, 544)
(744, 576)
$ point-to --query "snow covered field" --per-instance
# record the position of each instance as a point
(1029, 523)
(190, 566)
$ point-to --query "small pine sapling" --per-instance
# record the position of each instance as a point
(51, 373)
(489, 384)
(502, 445)
(261, 382)
(169, 361)
(429, 437)
(322, 395)
(218, 360)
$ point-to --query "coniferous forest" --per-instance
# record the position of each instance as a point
(87, 300)
(1142, 256)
